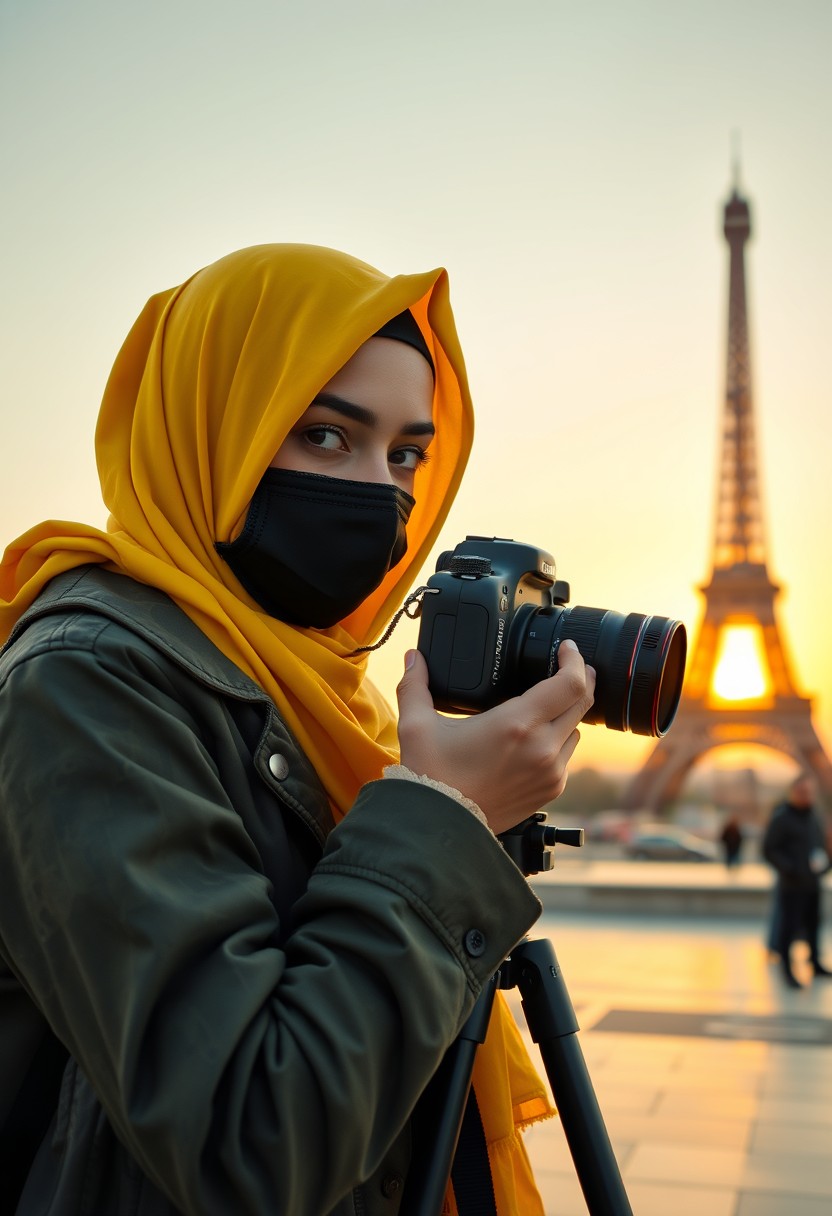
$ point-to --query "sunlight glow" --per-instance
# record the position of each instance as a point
(740, 671)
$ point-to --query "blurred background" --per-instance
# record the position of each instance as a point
(567, 164)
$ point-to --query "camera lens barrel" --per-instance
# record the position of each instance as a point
(639, 662)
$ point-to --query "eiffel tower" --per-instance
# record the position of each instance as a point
(740, 592)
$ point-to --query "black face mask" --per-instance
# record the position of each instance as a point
(314, 547)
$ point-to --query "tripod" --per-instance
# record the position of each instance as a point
(534, 970)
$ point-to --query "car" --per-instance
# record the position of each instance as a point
(664, 842)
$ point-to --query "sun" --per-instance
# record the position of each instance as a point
(740, 670)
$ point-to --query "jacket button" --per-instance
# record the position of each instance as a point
(391, 1185)
(475, 943)
(278, 766)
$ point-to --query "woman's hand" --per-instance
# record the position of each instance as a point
(511, 760)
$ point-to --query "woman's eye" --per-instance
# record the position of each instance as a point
(330, 438)
(409, 458)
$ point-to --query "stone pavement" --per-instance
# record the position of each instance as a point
(713, 1079)
(709, 889)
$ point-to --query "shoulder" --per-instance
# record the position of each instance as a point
(109, 619)
(73, 655)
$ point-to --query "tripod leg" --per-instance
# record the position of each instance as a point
(553, 1026)
(439, 1114)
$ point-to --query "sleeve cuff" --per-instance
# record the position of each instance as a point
(401, 773)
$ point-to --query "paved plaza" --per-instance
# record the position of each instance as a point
(713, 1079)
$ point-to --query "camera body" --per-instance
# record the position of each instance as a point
(493, 619)
(468, 628)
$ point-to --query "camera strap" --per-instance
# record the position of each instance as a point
(412, 607)
(471, 1171)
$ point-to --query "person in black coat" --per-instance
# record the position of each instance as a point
(795, 845)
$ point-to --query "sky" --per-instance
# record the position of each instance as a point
(567, 163)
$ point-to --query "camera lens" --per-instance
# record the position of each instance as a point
(639, 662)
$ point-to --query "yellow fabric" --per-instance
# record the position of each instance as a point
(208, 383)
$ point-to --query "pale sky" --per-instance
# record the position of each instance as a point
(567, 164)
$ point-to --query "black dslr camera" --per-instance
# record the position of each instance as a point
(494, 617)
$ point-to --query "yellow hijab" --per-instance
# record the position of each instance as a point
(210, 380)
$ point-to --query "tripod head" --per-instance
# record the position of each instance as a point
(531, 844)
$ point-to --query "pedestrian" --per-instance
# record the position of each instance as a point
(242, 913)
(731, 838)
(795, 845)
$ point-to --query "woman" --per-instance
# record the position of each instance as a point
(220, 992)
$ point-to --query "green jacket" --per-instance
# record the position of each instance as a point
(251, 1000)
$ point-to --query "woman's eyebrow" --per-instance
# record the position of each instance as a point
(360, 413)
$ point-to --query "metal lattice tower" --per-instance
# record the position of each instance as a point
(739, 519)
(740, 591)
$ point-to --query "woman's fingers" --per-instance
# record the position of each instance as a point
(567, 695)
(511, 759)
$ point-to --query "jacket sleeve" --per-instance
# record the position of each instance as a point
(243, 1074)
